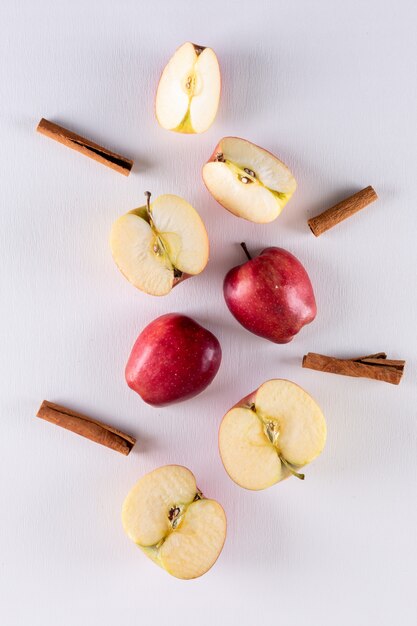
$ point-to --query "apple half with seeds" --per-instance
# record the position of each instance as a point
(159, 245)
(271, 434)
(167, 516)
(189, 90)
(247, 180)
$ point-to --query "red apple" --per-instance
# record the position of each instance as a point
(271, 295)
(173, 358)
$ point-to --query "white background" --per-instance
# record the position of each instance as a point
(330, 87)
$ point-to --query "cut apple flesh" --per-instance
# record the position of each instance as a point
(189, 90)
(167, 516)
(249, 458)
(146, 510)
(248, 181)
(278, 431)
(154, 246)
(197, 542)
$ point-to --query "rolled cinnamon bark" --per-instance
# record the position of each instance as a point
(342, 210)
(374, 366)
(86, 427)
(85, 146)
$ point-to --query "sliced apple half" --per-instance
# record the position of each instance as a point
(189, 90)
(247, 180)
(160, 244)
(271, 434)
(167, 516)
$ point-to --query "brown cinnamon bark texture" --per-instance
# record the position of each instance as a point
(374, 366)
(85, 146)
(86, 427)
(341, 211)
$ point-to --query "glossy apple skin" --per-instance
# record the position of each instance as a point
(271, 295)
(173, 359)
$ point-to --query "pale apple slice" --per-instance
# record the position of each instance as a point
(247, 180)
(144, 514)
(167, 516)
(274, 432)
(299, 424)
(158, 245)
(248, 456)
(189, 90)
(183, 233)
(197, 542)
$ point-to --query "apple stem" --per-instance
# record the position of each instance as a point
(246, 251)
(291, 469)
(148, 208)
(148, 200)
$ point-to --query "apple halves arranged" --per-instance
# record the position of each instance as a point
(271, 434)
(270, 295)
(160, 244)
(167, 516)
(189, 90)
(247, 180)
(173, 359)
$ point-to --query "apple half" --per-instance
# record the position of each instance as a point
(188, 93)
(271, 434)
(168, 517)
(247, 180)
(160, 244)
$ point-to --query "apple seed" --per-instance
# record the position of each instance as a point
(271, 433)
(244, 179)
(173, 513)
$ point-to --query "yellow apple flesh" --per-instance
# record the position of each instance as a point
(167, 516)
(159, 245)
(189, 90)
(247, 180)
(271, 434)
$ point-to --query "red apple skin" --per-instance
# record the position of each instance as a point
(271, 295)
(173, 359)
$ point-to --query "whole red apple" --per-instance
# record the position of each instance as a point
(173, 358)
(271, 295)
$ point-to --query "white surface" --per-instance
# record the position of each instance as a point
(331, 88)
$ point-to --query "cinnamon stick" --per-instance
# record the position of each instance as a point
(342, 210)
(85, 146)
(374, 366)
(86, 427)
